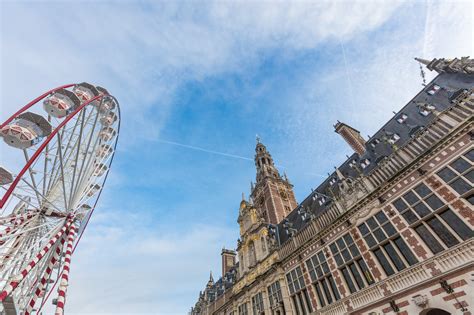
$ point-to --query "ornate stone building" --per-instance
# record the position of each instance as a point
(390, 231)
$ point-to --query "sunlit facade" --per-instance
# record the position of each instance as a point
(390, 231)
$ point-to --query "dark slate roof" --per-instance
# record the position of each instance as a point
(451, 85)
(224, 284)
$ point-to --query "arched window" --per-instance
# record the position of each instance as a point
(252, 254)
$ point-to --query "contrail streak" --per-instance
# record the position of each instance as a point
(204, 150)
(220, 153)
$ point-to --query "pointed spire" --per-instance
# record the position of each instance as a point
(257, 137)
(211, 278)
(423, 61)
(339, 174)
(264, 162)
(243, 196)
(442, 65)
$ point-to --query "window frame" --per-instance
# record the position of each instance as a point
(258, 305)
(297, 290)
(421, 224)
(322, 280)
(345, 267)
(380, 247)
(459, 175)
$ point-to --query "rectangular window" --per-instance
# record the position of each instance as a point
(274, 294)
(429, 239)
(389, 247)
(384, 262)
(349, 260)
(297, 290)
(438, 226)
(322, 279)
(459, 174)
(406, 252)
(257, 304)
(243, 309)
(457, 224)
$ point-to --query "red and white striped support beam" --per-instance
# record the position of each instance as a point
(16, 222)
(65, 276)
(46, 276)
(11, 286)
(11, 218)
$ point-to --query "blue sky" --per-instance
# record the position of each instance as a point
(212, 75)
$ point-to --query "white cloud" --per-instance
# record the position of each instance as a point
(142, 53)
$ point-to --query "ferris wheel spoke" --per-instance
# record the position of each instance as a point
(46, 159)
(44, 199)
(61, 164)
(86, 153)
(59, 153)
(30, 171)
(76, 159)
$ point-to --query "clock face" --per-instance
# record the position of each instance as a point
(283, 195)
(229, 262)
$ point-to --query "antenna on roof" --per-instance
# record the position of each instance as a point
(422, 74)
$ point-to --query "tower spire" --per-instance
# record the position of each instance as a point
(272, 195)
(423, 61)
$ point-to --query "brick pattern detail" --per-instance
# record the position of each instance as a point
(336, 274)
(464, 210)
(348, 305)
(461, 304)
(433, 269)
(453, 285)
(374, 269)
(433, 182)
(399, 223)
(400, 305)
(413, 242)
(454, 296)
(309, 286)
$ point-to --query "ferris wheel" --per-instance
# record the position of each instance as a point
(62, 144)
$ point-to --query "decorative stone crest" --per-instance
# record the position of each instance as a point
(420, 300)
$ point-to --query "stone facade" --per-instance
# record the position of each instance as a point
(389, 232)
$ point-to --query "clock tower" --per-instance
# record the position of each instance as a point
(272, 194)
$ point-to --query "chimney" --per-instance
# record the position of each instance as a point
(351, 136)
(228, 260)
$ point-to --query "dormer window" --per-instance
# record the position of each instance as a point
(393, 138)
(321, 200)
(374, 142)
(352, 164)
(364, 163)
(433, 89)
(425, 109)
(332, 181)
(401, 119)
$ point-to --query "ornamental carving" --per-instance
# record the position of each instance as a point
(420, 300)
